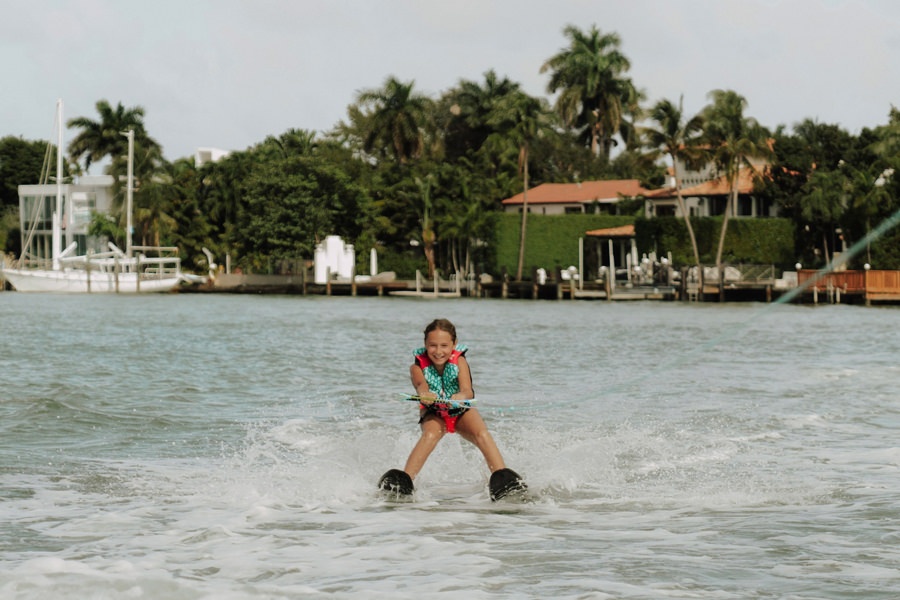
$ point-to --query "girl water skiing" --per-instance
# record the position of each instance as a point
(443, 382)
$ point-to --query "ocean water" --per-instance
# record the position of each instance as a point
(228, 447)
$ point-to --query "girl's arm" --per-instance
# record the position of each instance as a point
(420, 385)
(466, 391)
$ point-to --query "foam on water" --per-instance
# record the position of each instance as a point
(758, 468)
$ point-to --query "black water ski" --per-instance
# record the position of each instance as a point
(397, 482)
(506, 482)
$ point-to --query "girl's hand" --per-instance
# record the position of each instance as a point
(427, 398)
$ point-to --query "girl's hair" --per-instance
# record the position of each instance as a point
(441, 325)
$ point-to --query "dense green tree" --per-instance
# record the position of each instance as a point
(885, 251)
(466, 211)
(594, 93)
(869, 197)
(811, 147)
(10, 233)
(181, 184)
(822, 205)
(22, 162)
(292, 204)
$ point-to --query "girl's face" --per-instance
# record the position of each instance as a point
(439, 345)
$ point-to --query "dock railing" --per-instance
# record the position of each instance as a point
(872, 285)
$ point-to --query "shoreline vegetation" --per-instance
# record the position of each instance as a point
(420, 179)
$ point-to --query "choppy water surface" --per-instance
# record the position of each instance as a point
(228, 447)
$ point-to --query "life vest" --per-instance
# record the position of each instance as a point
(443, 384)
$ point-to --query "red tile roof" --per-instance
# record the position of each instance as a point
(713, 187)
(584, 192)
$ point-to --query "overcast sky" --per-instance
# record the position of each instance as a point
(228, 73)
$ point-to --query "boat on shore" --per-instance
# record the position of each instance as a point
(137, 269)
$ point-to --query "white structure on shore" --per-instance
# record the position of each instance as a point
(334, 258)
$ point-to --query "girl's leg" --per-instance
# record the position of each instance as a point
(471, 426)
(433, 430)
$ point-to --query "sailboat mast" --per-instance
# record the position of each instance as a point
(56, 248)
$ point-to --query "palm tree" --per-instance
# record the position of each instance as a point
(519, 119)
(470, 105)
(293, 142)
(397, 117)
(594, 94)
(465, 214)
(99, 139)
(679, 140)
(424, 185)
(733, 140)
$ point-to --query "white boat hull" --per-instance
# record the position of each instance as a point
(77, 281)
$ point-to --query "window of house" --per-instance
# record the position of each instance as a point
(665, 211)
(83, 204)
(744, 206)
(717, 205)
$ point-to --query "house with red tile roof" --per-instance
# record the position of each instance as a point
(586, 197)
(705, 194)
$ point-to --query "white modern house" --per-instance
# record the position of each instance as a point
(89, 194)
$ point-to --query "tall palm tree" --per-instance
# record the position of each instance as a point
(424, 185)
(594, 94)
(99, 139)
(519, 120)
(679, 139)
(397, 119)
(733, 140)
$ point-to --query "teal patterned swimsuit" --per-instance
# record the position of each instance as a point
(443, 384)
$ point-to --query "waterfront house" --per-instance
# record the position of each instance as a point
(705, 194)
(89, 195)
(585, 197)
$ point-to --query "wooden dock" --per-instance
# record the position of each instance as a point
(860, 287)
(234, 283)
(867, 286)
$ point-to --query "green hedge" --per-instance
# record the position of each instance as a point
(552, 240)
(755, 241)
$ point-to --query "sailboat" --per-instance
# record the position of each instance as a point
(137, 269)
